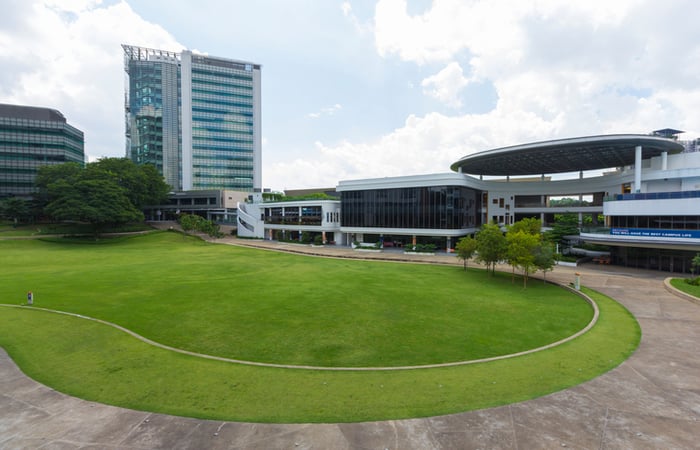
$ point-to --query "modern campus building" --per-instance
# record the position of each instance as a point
(646, 188)
(32, 137)
(196, 118)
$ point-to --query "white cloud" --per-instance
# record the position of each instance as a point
(328, 111)
(446, 85)
(360, 28)
(559, 69)
(68, 56)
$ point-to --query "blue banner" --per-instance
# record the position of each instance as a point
(654, 233)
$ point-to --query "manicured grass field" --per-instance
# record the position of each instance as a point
(681, 285)
(278, 308)
(265, 306)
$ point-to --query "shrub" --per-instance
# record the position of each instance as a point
(305, 237)
(421, 248)
(695, 281)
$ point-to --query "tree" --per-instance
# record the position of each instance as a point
(529, 225)
(190, 222)
(47, 175)
(97, 202)
(564, 225)
(491, 245)
(695, 263)
(521, 251)
(111, 191)
(545, 258)
(466, 247)
(143, 184)
(15, 209)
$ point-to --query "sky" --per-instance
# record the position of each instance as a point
(368, 89)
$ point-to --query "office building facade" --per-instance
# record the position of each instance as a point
(32, 137)
(196, 118)
(641, 199)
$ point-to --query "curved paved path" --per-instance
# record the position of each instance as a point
(651, 401)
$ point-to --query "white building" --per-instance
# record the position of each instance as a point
(645, 186)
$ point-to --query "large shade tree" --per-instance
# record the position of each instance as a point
(108, 192)
(15, 209)
(100, 203)
(142, 183)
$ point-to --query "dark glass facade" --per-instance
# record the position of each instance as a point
(29, 139)
(294, 215)
(433, 207)
(153, 116)
(656, 222)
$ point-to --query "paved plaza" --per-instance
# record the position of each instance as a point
(651, 401)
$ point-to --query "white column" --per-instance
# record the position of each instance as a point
(186, 100)
(257, 130)
(638, 168)
(664, 160)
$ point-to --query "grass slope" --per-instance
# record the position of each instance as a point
(681, 285)
(272, 307)
(99, 363)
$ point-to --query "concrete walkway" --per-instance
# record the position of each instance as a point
(651, 401)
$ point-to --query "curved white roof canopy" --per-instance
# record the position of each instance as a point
(565, 155)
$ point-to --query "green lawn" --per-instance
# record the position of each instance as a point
(681, 285)
(272, 307)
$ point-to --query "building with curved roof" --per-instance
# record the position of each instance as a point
(566, 155)
(640, 197)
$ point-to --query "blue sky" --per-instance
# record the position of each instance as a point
(363, 89)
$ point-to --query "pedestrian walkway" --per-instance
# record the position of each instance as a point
(650, 401)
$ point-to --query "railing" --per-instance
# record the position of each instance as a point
(595, 230)
(653, 196)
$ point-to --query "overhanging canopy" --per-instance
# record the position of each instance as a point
(565, 155)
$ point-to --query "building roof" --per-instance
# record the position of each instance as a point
(31, 113)
(565, 155)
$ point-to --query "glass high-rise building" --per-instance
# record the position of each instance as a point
(32, 137)
(195, 117)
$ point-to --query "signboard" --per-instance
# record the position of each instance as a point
(656, 233)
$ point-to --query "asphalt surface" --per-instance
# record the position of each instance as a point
(651, 401)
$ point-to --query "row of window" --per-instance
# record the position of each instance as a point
(239, 185)
(40, 157)
(228, 119)
(38, 127)
(225, 91)
(207, 108)
(42, 147)
(21, 132)
(436, 207)
(208, 71)
(219, 84)
(656, 222)
(222, 130)
(217, 100)
(229, 142)
(208, 148)
(206, 79)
